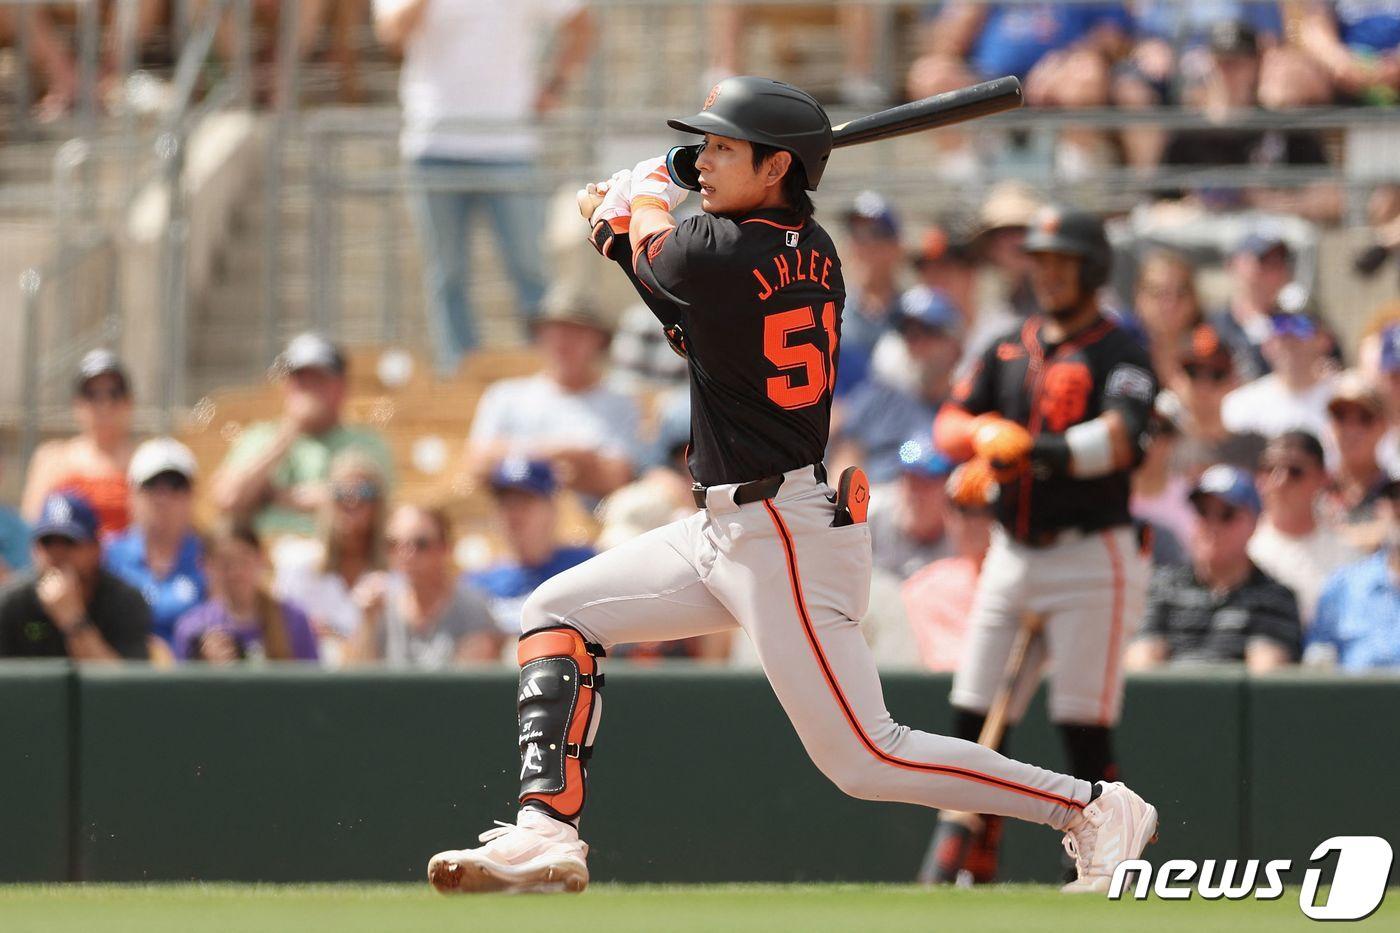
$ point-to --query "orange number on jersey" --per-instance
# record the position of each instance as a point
(817, 371)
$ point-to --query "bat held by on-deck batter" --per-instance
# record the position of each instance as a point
(957, 106)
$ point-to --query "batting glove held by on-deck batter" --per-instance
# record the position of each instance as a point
(972, 485)
(1003, 444)
(651, 179)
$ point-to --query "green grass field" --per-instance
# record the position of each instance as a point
(351, 908)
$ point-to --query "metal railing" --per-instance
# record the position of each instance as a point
(86, 218)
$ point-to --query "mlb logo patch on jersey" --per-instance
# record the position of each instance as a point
(792, 238)
(1127, 381)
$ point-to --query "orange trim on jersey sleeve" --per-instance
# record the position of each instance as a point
(834, 686)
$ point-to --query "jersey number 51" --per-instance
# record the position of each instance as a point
(818, 368)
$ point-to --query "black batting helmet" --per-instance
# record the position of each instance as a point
(1057, 229)
(761, 110)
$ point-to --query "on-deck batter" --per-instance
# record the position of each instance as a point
(751, 292)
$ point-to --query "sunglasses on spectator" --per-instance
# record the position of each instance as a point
(167, 482)
(972, 511)
(49, 541)
(1215, 512)
(98, 394)
(355, 493)
(416, 545)
(1348, 414)
(1295, 471)
(1392, 492)
(1197, 372)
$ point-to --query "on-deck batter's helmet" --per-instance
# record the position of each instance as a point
(1057, 229)
(761, 110)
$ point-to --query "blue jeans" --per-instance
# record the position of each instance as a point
(442, 217)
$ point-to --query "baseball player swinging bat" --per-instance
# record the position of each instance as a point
(952, 840)
(751, 292)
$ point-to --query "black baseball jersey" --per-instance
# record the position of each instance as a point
(756, 302)
(1049, 388)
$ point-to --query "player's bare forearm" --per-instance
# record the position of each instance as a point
(649, 216)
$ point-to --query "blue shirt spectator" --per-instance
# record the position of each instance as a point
(1015, 36)
(525, 504)
(14, 542)
(873, 261)
(1358, 616)
(169, 594)
(1371, 26)
(507, 584)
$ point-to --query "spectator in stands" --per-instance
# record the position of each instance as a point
(93, 463)
(524, 491)
(642, 359)
(1358, 616)
(1295, 394)
(161, 554)
(1291, 544)
(1358, 47)
(242, 620)
(319, 575)
(1160, 494)
(1357, 416)
(938, 598)
(663, 493)
(1233, 86)
(1171, 60)
(958, 155)
(566, 413)
(14, 543)
(1165, 308)
(1220, 606)
(730, 22)
(911, 373)
(947, 263)
(276, 474)
(1063, 52)
(873, 261)
(416, 615)
(1259, 268)
(907, 532)
(1207, 371)
(68, 606)
(1002, 223)
(454, 141)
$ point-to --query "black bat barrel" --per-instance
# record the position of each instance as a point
(967, 103)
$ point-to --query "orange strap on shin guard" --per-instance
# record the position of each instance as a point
(559, 705)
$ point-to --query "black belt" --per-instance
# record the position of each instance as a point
(754, 491)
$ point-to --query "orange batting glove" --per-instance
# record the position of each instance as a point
(1004, 444)
(972, 485)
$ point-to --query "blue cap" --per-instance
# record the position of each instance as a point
(928, 307)
(1390, 349)
(1231, 485)
(66, 515)
(1293, 325)
(518, 473)
(872, 208)
(918, 455)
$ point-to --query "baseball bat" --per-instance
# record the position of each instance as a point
(952, 839)
(946, 109)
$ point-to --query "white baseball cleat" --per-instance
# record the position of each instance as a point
(535, 854)
(1117, 826)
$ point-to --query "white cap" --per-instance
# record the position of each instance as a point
(160, 455)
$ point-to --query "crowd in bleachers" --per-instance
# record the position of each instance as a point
(1270, 492)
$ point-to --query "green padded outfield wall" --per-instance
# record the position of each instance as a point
(299, 775)
(35, 770)
(303, 776)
